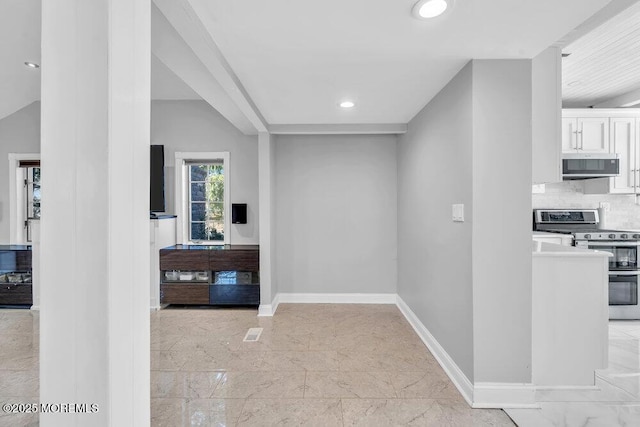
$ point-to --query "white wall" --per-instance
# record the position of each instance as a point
(470, 283)
(196, 126)
(502, 158)
(336, 216)
(180, 126)
(267, 171)
(434, 253)
(273, 215)
(94, 329)
(546, 115)
(19, 133)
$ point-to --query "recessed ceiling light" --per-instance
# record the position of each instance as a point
(426, 9)
(347, 104)
(31, 64)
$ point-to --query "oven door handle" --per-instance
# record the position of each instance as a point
(613, 244)
(624, 273)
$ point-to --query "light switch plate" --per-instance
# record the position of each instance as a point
(457, 212)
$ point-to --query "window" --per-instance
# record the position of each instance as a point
(24, 196)
(31, 174)
(202, 198)
(206, 201)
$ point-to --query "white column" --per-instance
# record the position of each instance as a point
(94, 228)
(266, 170)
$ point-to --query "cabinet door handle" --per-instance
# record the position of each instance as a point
(581, 140)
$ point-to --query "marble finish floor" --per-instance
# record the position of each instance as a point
(314, 364)
(615, 402)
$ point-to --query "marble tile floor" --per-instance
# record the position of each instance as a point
(315, 365)
(615, 402)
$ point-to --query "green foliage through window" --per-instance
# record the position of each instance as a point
(206, 191)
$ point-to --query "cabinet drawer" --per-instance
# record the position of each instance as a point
(171, 259)
(235, 294)
(184, 294)
(235, 260)
(12, 293)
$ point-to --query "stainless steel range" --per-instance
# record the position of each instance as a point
(624, 266)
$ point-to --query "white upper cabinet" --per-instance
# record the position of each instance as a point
(569, 135)
(593, 134)
(617, 130)
(623, 143)
(585, 134)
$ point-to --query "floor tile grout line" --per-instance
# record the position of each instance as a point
(304, 387)
(244, 404)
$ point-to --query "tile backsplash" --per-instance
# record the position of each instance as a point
(624, 213)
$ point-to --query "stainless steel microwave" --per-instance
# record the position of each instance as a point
(589, 165)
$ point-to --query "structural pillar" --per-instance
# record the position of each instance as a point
(94, 306)
(266, 178)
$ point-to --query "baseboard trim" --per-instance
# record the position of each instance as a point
(479, 395)
(268, 310)
(456, 375)
(337, 298)
(265, 310)
(567, 388)
(504, 395)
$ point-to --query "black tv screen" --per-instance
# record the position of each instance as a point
(156, 183)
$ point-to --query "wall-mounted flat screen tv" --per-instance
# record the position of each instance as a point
(156, 182)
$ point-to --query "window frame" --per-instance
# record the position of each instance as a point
(17, 198)
(182, 199)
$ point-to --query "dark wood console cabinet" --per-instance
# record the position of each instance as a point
(15, 275)
(210, 275)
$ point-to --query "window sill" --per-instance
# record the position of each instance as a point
(206, 243)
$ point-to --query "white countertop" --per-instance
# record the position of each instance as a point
(546, 233)
(552, 249)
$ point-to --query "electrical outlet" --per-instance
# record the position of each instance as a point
(606, 206)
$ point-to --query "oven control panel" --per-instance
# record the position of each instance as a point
(607, 235)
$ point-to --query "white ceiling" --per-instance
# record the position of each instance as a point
(19, 42)
(298, 59)
(604, 65)
(177, 70)
(293, 61)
